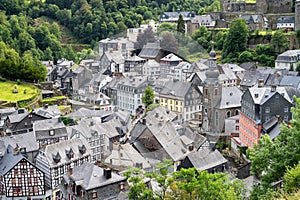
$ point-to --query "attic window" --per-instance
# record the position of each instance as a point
(70, 153)
(51, 132)
(230, 93)
(82, 149)
(56, 158)
(256, 95)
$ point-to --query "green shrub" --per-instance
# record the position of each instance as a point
(18, 82)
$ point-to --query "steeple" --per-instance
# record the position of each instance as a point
(212, 61)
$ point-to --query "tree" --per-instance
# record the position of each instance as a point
(180, 25)
(280, 41)
(148, 97)
(245, 56)
(292, 179)
(203, 37)
(271, 159)
(169, 42)
(144, 37)
(236, 40)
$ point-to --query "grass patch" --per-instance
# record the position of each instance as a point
(53, 99)
(25, 91)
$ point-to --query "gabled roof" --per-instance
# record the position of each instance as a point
(90, 176)
(87, 113)
(176, 88)
(52, 150)
(48, 112)
(115, 56)
(42, 128)
(290, 81)
(205, 159)
(135, 58)
(24, 140)
(231, 97)
(126, 155)
(171, 58)
(262, 94)
(202, 18)
(10, 159)
(286, 19)
(150, 50)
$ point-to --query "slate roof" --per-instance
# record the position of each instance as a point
(15, 118)
(9, 160)
(7, 111)
(135, 58)
(150, 50)
(252, 77)
(289, 56)
(61, 147)
(41, 128)
(262, 94)
(290, 81)
(48, 112)
(134, 82)
(115, 56)
(175, 15)
(202, 18)
(286, 19)
(252, 18)
(126, 155)
(205, 159)
(231, 97)
(176, 88)
(90, 176)
(87, 113)
(25, 140)
(171, 58)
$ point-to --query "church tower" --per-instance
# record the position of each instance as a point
(212, 92)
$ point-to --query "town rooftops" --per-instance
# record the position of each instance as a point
(90, 176)
(290, 81)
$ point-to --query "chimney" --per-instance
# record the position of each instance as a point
(260, 82)
(107, 173)
(59, 120)
(46, 106)
(156, 115)
(212, 146)
(273, 88)
(144, 121)
(91, 123)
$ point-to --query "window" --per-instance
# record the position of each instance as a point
(267, 110)
(216, 91)
(94, 194)
(16, 190)
(228, 114)
(286, 109)
(51, 132)
(237, 128)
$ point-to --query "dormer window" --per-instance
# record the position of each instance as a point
(82, 149)
(56, 158)
(51, 132)
(70, 153)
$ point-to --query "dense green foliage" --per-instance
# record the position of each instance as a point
(184, 184)
(236, 40)
(271, 159)
(148, 97)
(93, 20)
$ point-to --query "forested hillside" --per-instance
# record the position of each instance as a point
(26, 38)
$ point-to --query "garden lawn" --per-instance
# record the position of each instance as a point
(7, 87)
